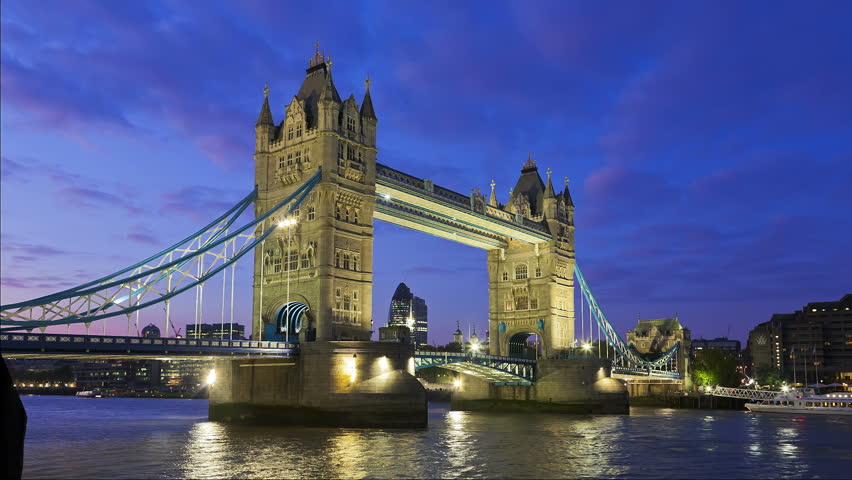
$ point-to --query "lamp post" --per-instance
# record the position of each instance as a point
(289, 224)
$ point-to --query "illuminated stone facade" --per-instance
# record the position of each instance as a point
(326, 258)
(531, 286)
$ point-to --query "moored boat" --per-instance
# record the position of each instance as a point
(798, 402)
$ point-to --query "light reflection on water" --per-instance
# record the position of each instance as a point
(154, 438)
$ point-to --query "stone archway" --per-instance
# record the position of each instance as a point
(517, 347)
(301, 318)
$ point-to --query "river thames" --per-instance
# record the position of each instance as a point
(69, 437)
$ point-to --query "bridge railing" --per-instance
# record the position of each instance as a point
(10, 343)
(499, 358)
(744, 393)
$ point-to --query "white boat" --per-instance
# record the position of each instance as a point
(806, 401)
(90, 394)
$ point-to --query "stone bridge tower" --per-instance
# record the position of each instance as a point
(531, 287)
(326, 258)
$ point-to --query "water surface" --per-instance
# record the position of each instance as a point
(69, 437)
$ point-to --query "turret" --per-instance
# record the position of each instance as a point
(264, 129)
(549, 201)
(492, 199)
(368, 116)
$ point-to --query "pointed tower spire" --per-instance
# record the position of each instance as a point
(265, 117)
(567, 194)
(367, 105)
(492, 199)
(548, 190)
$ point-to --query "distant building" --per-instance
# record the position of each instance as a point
(409, 311)
(458, 337)
(215, 330)
(723, 344)
(151, 331)
(395, 333)
(183, 376)
(653, 337)
(809, 345)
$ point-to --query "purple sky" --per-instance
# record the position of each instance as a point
(709, 145)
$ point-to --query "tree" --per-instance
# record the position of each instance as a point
(765, 375)
(712, 367)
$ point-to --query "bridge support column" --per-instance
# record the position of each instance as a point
(562, 386)
(353, 384)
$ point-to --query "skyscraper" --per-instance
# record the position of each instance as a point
(410, 311)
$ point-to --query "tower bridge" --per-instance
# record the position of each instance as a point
(318, 190)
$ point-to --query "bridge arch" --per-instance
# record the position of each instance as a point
(516, 343)
(301, 320)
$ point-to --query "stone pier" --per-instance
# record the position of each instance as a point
(340, 383)
(567, 386)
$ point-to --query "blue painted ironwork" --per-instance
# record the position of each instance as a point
(496, 369)
(623, 351)
(22, 345)
(289, 317)
(86, 303)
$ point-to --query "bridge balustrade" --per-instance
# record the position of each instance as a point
(25, 344)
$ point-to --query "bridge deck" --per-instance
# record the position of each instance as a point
(416, 203)
(100, 346)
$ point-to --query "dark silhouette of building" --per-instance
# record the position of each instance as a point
(810, 345)
(723, 344)
(215, 330)
(409, 311)
(151, 331)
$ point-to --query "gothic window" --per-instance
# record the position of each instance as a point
(289, 159)
(339, 213)
(299, 130)
(346, 302)
(355, 295)
(290, 132)
(521, 271)
(359, 156)
(308, 156)
(350, 124)
(312, 212)
(281, 162)
(305, 260)
(296, 213)
(505, 276)
(299, 156)
(509, 303)
(292, 258)
(355, 262)
(337, 293)
(537, 272)
(521, 302)
(311, 258)
(346, 261)
(340, 150)
(350, 153)
(276, 264)
(337, 258)
(355, 215)
(348, 214)
(533, 304)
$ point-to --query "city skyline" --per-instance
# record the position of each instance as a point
(124, 151)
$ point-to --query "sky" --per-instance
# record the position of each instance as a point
(709, 144)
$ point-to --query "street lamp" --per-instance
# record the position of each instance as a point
(288, 222)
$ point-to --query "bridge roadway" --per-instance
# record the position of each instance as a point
(419, 204)
(34, 345)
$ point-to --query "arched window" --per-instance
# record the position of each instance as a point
(521, 302)
(521, 271)
(355, 215)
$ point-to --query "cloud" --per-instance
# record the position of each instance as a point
(96, 199)
(143, 238)
(198, 202)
